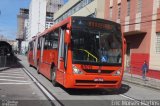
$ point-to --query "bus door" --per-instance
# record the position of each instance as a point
(61, 59)
(41, 59)
(33, 56)
(35, 52)
(30, 55)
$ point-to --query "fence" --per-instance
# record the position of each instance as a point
(132, 70)
(7, 61)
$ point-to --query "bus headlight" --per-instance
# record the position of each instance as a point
(118, 72)
(76, 70)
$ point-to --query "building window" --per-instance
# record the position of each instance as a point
(75, 8)
(110, 13)
(139, 6)
(93, 15)
(119, 10)
(158, 43)
(128, 7)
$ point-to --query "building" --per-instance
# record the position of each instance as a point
(41, 15)
(52, 7)
(88, 8)
(37, 15)
(22, 28)
(141, 26)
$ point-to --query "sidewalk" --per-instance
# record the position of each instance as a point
(136, 79)
(4, 68)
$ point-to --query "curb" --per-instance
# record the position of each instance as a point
(141, 84)
(6, 68)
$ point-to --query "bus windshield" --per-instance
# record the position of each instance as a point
(90, 46)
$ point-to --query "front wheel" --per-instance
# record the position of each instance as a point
(38, 67)
(30, 65)
(38, 70)
(53, 77)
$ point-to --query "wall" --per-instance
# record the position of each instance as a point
(144, 26)
(37, 16)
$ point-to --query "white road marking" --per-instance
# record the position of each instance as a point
(11, 77)
(14, 83)
(127, 97)
(133, 99)
(11, 80)
(10, 74)
(42, 88)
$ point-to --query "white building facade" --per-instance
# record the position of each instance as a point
(88, 8)
(41, 15)
(37, 16)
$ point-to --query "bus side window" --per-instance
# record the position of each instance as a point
(30, 46)
(46, 42)
(53, 40)
(39, 44)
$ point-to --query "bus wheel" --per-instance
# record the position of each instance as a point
(38, 68)
(53, 77)
(30, 65)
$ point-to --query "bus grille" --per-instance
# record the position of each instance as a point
(100, 72)
(94, 82)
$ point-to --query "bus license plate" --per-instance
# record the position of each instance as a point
(98, 80)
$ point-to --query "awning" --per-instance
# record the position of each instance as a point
(136, 32)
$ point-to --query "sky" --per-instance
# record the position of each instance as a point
(8, 16)
(9, 10)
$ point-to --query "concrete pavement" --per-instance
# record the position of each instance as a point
(17, 89)
(137, 79)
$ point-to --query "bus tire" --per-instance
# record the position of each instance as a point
(53, 76)
(38, 70)
(38, 67)
(30, 65)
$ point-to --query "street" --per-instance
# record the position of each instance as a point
(16, 88)
(100, 97)
(80, 53)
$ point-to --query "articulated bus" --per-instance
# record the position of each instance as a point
(80, 52)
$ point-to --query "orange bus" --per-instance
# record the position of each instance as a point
(80, 52)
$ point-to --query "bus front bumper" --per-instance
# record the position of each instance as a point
(93, 81)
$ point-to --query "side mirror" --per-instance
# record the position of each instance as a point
(67, 37)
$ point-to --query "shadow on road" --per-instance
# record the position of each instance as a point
(91, 92)
(7, 62)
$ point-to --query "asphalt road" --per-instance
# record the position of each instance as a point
(17, 89)
(129, 94)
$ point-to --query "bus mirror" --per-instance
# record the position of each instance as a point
(67, 37)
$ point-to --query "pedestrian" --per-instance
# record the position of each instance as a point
(144, 70)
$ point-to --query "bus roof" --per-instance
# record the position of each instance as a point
(68, 20)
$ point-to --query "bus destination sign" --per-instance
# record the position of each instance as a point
(105, 26)
(80, 23)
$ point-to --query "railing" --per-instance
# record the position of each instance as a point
(131, 69)
(89, 54)
(7, 61)
(3, 61)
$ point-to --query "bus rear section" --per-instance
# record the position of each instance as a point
(93, 55)
(31, 53)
